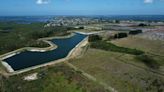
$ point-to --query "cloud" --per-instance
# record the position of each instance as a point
(148, 1)
(152, 1)
(42, 2)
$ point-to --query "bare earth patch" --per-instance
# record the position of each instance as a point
(31, 77)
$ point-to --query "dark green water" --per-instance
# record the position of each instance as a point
(29, 59)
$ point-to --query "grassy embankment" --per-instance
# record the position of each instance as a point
(58, 78)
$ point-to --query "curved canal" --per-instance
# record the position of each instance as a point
(28, 59)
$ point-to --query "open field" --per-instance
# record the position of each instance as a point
(156, 34)
(151, 46)
(58, 78)
(121, 71)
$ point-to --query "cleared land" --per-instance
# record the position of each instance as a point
(120, 71)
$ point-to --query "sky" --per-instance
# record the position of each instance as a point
(81, 7)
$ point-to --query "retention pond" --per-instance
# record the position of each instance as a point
(28, 59)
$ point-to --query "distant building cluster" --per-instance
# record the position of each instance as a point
(71, 21)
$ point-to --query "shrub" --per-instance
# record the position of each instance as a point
(121, 35)
(142, 25)
(93, 38)
(117, 21)
(135, 32)
(149, 61)
(81, 27)
(111, 47)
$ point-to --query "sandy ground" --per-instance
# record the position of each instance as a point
(31, 77)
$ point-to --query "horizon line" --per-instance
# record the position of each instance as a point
(87, 15)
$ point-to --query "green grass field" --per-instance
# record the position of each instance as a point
(120, 71)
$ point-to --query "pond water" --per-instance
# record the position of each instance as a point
(28, 59)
